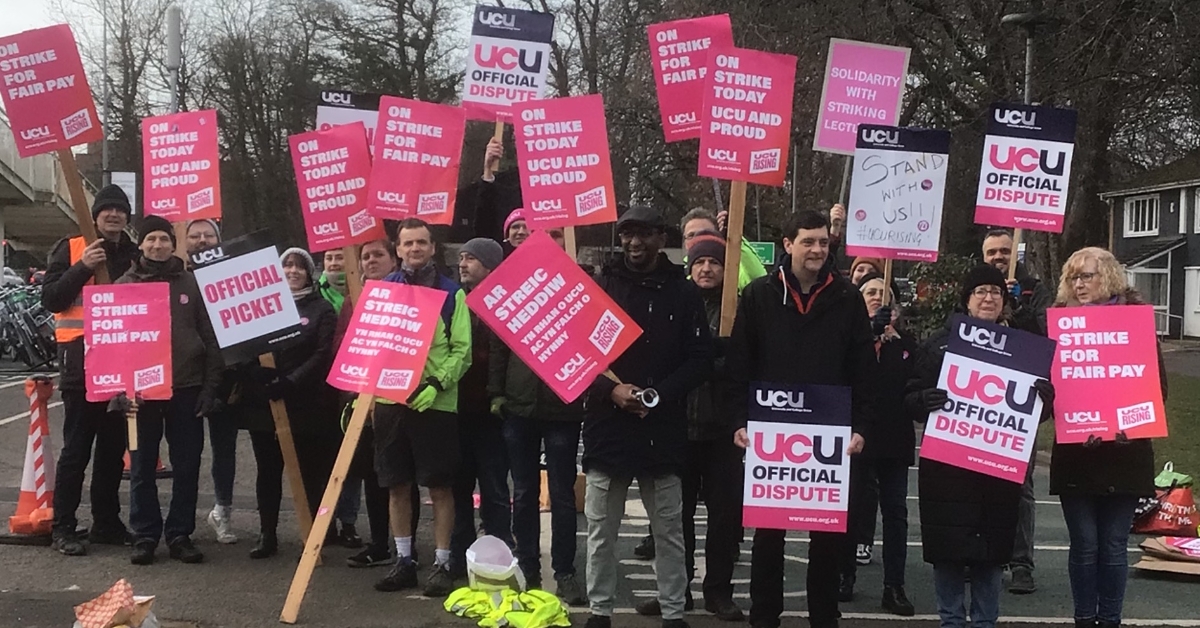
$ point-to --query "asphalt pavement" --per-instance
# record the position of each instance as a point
(38, 587)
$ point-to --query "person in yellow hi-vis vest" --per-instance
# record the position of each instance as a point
(418, 442)
(71, 267)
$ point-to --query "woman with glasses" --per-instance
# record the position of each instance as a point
(968, 519)
(1099, 483)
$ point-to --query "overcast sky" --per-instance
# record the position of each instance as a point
(22, 15)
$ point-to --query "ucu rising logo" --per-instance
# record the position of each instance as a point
(798, 449)
(507, 58)
(779, 399)
(1015, 117)
(497, 20)
(981, 337)
(106, 380)
(1082, 417)
(571, 367)
(336, 98)
(990, 389)
(1027, 160)
(353, 371)
(682, 118)
(35, 134)
(722, 154)
(879, 136)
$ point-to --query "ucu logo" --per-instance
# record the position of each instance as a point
(497, 20)
(879, 136)
(163, 203)
(353, 371)
(1015, 117)
(328, 228)
(722, 154)
(1027, 160)
(389, 197)
(982, 337)
(35, 134)
(990, 389)
(1076, 418)
(547, 205)
(786, 447)
(336, 98)
(105, 380)
(208, 255)
(507, 58)
(682, 118)
(570, 368)
(779, 399)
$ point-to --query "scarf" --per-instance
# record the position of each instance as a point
(303, 292)
(425, 276)
(151, 270)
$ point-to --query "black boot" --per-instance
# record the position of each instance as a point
(896, 602)
(268, 546)
(645, 548)
(846, 588)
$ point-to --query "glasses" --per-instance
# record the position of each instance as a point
(988, 292)
(1084, 277)
(642, 233)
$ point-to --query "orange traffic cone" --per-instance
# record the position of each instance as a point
(160, 471)
(35, 512)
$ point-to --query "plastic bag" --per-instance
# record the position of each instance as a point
(1169, 479)
(491, 566)
(1175, 516)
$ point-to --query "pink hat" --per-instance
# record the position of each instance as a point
(517, 214)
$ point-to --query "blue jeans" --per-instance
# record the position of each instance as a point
(949, 584)
(525, 438)
(881, 484)
(185, 442)
(222, 436)
(1098, 563)
(484, 459)
(348, 504)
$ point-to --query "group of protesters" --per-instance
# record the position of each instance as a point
(480, 417)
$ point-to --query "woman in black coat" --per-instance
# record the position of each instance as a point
(1099, 483)
(968, 519)
(299, 380)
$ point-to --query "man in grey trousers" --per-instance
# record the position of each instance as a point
(626, 437)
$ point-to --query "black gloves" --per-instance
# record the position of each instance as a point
(882, 318)
(204, 405)
(263, 375)
(1122, 438)
(1092, 441)
(932, 399)
(1045, 390)
(278, 388)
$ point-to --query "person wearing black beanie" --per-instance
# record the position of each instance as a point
(72, 264)
(968, 519)
(150, 224)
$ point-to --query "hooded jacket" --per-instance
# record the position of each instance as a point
(1109, 468)
(894, 435)
(829, 343)
(195, 356)
(673, 356)
(966, 517)
(63, 285)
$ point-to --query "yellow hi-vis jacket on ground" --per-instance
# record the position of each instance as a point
(501, 609)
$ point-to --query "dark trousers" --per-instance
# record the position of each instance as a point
(526, 438)
(766, 578)
(177, 420)
(483, 459)
(362, 473)
(222, 437)
(1026, 520)
(881, 484)
(713, 474)
(316, 454)
(87, 423)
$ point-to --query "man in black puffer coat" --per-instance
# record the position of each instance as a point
(624, 439)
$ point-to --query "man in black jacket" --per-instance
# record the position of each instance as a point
(1031, 297)
(624, 439)
(71, 266)
(802, 324)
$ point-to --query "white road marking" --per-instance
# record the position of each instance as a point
(21, 381)
(1048, 548)
(25, 414)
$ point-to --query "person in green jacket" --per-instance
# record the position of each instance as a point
(701, 219)
(418, 442)
(332, 284)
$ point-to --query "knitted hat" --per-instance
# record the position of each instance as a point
(305, 258)
(113, 197)
(150, 224)
(216, 227)
(706, 244)
(517, 214)
(486, 250)
(875, 263)
(981, 275)
(895, 288)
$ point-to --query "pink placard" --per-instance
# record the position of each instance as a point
(1189, 546)
(418, 146)
(127, 340)
(553, 316)
(45, 91)
(182, 166)
(385, 347)
(864, 84)
(679, 55)
(566, 175)
(747, 115)
(332, 167)
(1105, 373)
